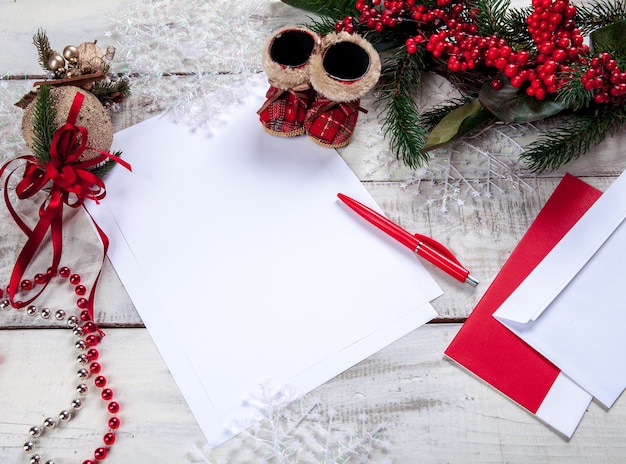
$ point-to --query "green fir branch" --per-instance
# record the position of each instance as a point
(389, 38)
(573, 137)
(491, 15)
(108, 91)
(515, 29)
(336, 9)
(573, 94)
(106, 167)
(44, 50)
(433, 116)
(592, 16)
(402, 126)
(323, 25)
(44, 126)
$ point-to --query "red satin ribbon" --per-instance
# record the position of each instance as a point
(72, 184)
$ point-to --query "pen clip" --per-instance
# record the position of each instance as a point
(438, 247)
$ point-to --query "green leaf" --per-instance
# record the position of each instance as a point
(510, 104)
(457, 123)
(610, 39)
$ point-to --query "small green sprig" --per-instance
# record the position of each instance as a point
(43, 124)
(601, 13)
(433, 116)
(108, 91)
(106, 167)
(574, 96)
(491, 15)
(334, 9)
(400, 78)
(44, 50)
(573, 137)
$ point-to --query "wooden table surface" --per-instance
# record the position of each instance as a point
(431, 410)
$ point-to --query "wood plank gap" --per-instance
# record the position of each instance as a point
(104, 327)
(448, 320)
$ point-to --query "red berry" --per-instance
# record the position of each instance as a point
(601, 98)
(577, 40)
(493, 53)
(563, 42)
(510, 70)
(517, 81)
(505, 51)
(501, 63)
(496, 84)
(522, 57)
(559, 55)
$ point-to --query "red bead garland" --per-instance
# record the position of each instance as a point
(90, 355)
(448, 31)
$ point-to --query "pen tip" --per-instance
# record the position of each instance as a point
(471, 280)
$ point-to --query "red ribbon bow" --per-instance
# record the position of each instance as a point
(72, 184)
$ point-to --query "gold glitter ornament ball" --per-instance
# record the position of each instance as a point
(93, 116)
(90, 58)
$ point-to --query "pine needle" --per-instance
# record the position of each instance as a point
(491, 16)
(573, 137)
(43, 124)
(337, 9)
(573, 94)
(108, 91)
(322, 25)
(402, 126)
(44, 50)
(105, 167)
(515, 29)
(433, 116)
(591, 16)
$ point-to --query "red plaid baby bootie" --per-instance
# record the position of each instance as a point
(346, 69)
(286, 60)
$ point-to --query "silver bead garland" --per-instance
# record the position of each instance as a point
(86, 359)
(65, 415)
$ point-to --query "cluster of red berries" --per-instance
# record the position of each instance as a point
(376, 19)
(449, 32)
(605, 79)
(559, 46)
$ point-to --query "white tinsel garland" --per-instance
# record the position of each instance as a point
(191, 57)
(11, 141)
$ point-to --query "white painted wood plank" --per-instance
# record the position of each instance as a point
(68, 23)
(75, 21)
(434, 410)
(482, 233)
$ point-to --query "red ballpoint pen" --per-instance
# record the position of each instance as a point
(429, 249)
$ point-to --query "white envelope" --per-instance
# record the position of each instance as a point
(246, 268)
(571, 308)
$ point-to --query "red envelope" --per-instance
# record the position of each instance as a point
(492, 352)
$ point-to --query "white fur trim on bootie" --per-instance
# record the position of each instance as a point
(346, 69)
(288, 68)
